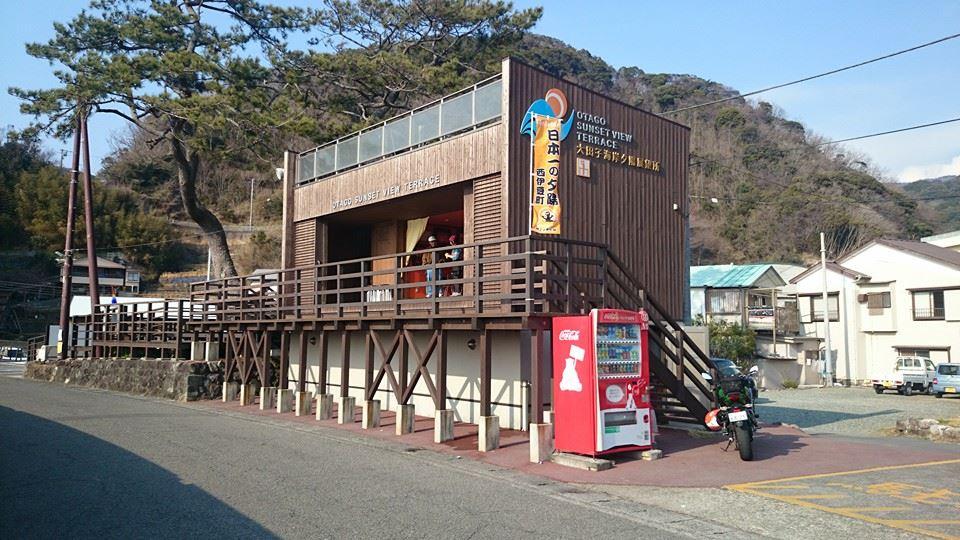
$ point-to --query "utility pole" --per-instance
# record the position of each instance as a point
(92, 272)
(828, 353)
(252, 180)
(66, 272)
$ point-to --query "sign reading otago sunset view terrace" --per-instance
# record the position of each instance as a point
(393, 190)
(596, 140)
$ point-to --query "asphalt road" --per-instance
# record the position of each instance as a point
(82, 463)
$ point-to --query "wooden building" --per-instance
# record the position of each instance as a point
(365, 308)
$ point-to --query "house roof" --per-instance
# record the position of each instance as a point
(101, 262)
(933, 252)
(730, 275)
(951, 238)
(833, 266)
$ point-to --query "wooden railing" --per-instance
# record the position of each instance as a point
(516, 276)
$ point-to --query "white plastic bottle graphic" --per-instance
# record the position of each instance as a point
(569, 380)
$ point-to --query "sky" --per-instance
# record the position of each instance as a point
(744, 45)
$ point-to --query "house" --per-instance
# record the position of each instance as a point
(886, 299)
(949, 240)
(114, 276)
(745, 294)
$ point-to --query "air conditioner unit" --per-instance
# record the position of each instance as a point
(862, 298)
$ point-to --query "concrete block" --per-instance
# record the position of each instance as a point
(230, 391)
(246, 395)
(302, 404)
(547, 417)
(489, 433)
(197, 351)
(324, 406)
(443, 426)
(652, 454)
(371, 414)
(268, 398)
(345, 410)
(284, 400)
(581, 462)
(541, 442)
(405, 419)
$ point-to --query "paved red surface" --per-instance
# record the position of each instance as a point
(780, 452)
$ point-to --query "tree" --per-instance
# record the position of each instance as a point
(387, 56)
(730, 340)
(166, 67)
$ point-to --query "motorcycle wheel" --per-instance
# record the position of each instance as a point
(744, 441)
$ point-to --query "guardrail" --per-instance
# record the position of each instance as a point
(463, 111)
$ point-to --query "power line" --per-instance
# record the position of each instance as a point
(817, 76)
(889, 132)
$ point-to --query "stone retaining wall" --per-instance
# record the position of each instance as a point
(171, 379)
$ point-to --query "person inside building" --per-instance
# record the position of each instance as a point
(430, 258)
(454, 272)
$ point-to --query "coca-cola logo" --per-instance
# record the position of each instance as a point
(569, 335)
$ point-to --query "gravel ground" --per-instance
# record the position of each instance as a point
(850, 411)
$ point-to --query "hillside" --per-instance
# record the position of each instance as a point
(774, 188)
(942, 197)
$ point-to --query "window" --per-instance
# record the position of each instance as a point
(816, 308)
(878, 300)
(946, 369)
(922, 353)
(723, 301)
(928, 305)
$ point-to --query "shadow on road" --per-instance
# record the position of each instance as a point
(56, 481)
(805, 418)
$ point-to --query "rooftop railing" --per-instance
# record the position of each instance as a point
(463, 111)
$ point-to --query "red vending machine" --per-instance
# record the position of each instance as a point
(600, 378)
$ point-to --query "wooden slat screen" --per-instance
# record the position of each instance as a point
(305, 254)
(488, 223)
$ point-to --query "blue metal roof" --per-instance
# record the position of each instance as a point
(727, 275)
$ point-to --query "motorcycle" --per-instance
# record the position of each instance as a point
(735, 396)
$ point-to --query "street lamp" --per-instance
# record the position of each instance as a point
(252, 182)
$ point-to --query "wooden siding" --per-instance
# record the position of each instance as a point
(460, 158)
(628, 208)
(487, 220)
(305, 252)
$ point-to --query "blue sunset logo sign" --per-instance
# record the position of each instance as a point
(553, 104)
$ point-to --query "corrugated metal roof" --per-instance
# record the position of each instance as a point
(727, 275)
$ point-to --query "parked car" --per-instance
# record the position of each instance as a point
(910, 374)
(947, 380)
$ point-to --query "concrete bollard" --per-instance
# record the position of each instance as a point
(284, 400)
(405, 419)
(489, 433)
(541, 442)
(371, 414)
(268, 398)
(345, 410)
(324, 406)
(302, 404)
(443, 426)
(246, 395)
(230, 391)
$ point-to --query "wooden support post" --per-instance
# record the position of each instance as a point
(322, 377)
(302, 367)
(485, 373)
(266, 377)
(442, 370)
(403, 370)
(536, 377)
(179, 330)
(344, 363)
(368, 389)
(284, 359)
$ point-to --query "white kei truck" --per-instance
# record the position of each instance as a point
(910, 374)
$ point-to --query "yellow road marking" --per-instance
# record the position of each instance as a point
(871, 508)
(821, 496)
(781, 486)
(845, 473)
(905, 525)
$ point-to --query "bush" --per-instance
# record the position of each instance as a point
(789, 384)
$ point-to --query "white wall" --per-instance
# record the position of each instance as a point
(463, 373)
